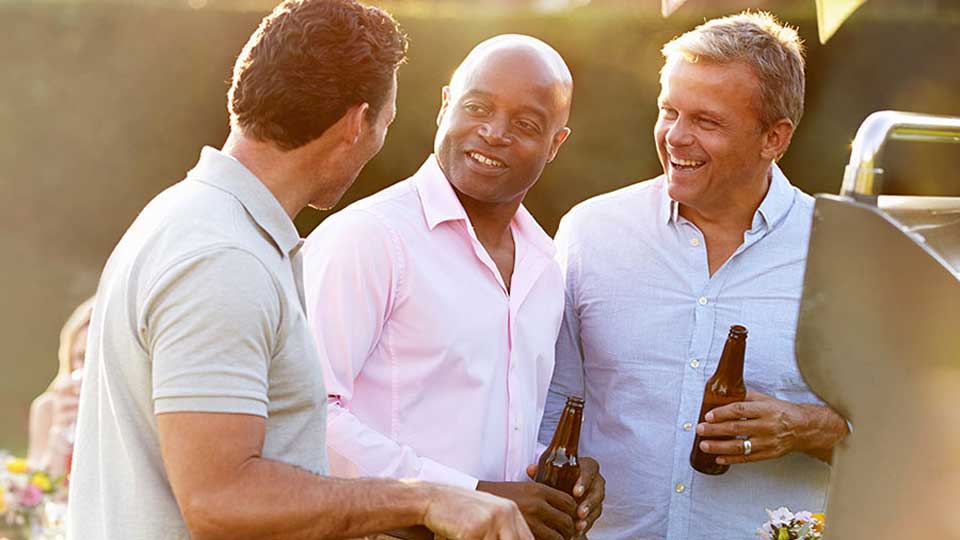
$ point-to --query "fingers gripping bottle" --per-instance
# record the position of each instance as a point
(724, 387)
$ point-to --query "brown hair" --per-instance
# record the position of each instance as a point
(307, 63)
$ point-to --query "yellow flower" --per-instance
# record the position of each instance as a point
(17, 466)
(821, 519)
(42, 481)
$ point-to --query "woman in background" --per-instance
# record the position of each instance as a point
(53, 414)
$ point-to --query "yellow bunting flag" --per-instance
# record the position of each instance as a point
(830, 15)
(669, 6)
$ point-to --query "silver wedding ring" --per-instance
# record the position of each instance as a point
(747, 447)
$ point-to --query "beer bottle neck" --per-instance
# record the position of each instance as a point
(567, 435)
(731, 360)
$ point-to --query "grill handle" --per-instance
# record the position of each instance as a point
(862, 179)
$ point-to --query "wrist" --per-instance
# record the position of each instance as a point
(827, 427)
(422, 496)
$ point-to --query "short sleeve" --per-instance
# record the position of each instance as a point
(210, 325)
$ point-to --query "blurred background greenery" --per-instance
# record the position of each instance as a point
(103, 105)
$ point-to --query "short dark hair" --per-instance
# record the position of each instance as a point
(307, 63)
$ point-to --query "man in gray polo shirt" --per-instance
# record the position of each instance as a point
(202, 413)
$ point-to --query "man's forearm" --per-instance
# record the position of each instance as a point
(826, 429)
(267, 499)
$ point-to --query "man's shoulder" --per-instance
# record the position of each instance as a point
(396, 200)
(623, 207)
(189, 221)
(387, 211)
(369, 227)
(628, 197)
(803, 200)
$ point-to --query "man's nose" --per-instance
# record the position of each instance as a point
(495, 132)
(679, 133)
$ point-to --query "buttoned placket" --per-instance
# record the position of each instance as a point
(534, 264)
(693, 250)
(514, 419)
(706, 296)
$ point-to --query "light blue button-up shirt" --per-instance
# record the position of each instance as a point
(643, 330)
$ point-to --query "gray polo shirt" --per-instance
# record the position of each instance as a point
(199, 309)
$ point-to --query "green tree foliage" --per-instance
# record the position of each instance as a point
(104, 105)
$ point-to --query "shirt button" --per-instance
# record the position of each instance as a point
(680, 488)
(702, 301)
(687, 426)
(694, 242)
(694, 363)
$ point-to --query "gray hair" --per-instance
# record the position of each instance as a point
(773, 50)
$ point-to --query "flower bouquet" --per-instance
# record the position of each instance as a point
(28, 498)
(785, 525)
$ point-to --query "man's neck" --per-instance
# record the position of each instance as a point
(732, 215)
(491, 224)
(491, 221)
(282, 172)
(723, 224)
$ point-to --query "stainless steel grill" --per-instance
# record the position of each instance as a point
(879, 339)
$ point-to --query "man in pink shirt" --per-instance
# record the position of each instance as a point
(436, 303)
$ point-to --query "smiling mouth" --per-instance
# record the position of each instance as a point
(686, 164)
(486, 160)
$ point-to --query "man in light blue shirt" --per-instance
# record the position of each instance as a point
(657, 272)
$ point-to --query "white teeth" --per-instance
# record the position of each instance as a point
(486, 161)
(686, 162)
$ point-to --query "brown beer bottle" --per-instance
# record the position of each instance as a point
(559, 467)
(724, 387)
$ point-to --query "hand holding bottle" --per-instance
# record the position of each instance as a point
(774, 428)
(589, 492)
(548, 511)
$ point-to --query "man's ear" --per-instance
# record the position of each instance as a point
(444, 103)
(776, 139)
(355, 122)
(558, 139)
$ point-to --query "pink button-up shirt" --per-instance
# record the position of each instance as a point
(434, 370)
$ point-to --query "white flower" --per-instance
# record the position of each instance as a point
(805, 516)
(780, 517)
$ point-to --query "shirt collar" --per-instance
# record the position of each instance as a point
(440, 204)
(775, 205)
(669, 208)
(225, 172)
(777, 202)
